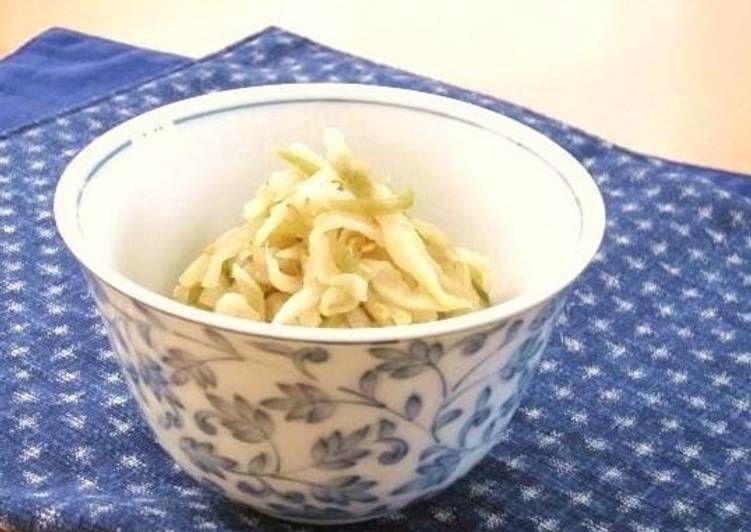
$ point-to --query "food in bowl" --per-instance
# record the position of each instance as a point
(312, 424)
(325, 244)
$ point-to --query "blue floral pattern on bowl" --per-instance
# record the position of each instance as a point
(324, 433)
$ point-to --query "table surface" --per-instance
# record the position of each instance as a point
(665, 77)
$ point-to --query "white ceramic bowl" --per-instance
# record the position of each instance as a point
(314, 425)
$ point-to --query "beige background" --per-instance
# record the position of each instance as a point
(667, 77)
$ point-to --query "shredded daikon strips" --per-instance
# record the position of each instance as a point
(326, 244)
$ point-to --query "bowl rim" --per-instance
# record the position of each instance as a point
(92, 157)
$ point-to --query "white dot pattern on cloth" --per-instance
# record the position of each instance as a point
(639, 417)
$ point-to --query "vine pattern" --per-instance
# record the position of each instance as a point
(456, 432)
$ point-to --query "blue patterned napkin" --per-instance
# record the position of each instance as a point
(62, 68)
(639, 417)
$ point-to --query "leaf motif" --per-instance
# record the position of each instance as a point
(386, 428)
(319, 450)
(368, 382)
(204, 376)
(483, 397)
(473, 343)
(343, 490)
(314, 355)
(173, 401)
(212, 485)
(264, 421)
(509, 405)
(520, 358)
(262, 491)
(335, 441)
(508, 372)
(177, 358)
(311, 413)
(356, 437)
(432, 474)
(180, 377)
(324, 494)
(546, 313)
(407, 372)
(430, 451)
(223, 406)
(291, 390)
(475, 420)
(132, 372)
(530, 348)
(489, 432)
(243, 408)
(246, 422)
(343, 463)
(305, 402)
(482, 416)
(418, 350)
(398, 449)
(219, 342)
(413, 406)
(244, 430)
(396, 365)
(257, 464)
(447, 417)
(320, 413)
(278, 403)
(366, 485)
(525, 377)
(435, 353)
(387, 353)
(342, 482)
(351, 456)
(144, 331)
(497, 327)
(340, 452)
(202, 418)
(170, 419)
(312, 393)
(298, 412)
(202, 455)
(512, 331)
(183, 357)
(296, 497)
(417, 484)
(276, 349)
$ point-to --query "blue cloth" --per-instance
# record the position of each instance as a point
(638, 419)
(61, 68)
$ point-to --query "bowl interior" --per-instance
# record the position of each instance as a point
(172, 181)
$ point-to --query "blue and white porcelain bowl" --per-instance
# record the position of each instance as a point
(314, 425)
